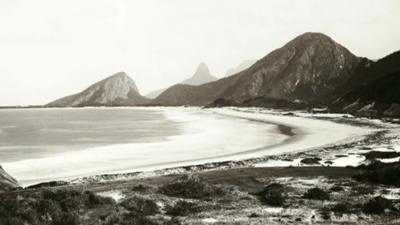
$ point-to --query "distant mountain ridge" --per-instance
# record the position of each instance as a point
(307, 69)
(239, 68)
(201, 76)
(116, 90)
(312, 70)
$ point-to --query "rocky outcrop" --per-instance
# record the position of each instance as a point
(307, 69)
(7, 182)
(116, 90)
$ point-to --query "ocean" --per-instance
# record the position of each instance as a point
(37, 133)
(38, 145)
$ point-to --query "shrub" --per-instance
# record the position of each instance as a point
(344, 208)
(139, 188)
(191, 186)
(183, 208)
(60, 195)
(12, 221)
(311, 161)
(317, 194)
(112, 219)
(140, 206)
(254, 215)
(92, 199)
(47, 207)
(363, 190)
(325, 214)
(135, 219)
(173, 221)
(372, 155)
(381, 174)
(66, 218)
(273, 194)
(377, 205)
(336, 188)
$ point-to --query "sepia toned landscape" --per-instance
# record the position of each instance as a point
(292, 119)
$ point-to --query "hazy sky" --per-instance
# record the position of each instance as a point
(52, 48)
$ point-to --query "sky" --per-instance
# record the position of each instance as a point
(53, 48)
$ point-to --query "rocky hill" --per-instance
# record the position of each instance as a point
(308, 69)
(373, 90)
(116, 90)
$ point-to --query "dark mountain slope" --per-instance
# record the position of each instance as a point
(376, 92)
(369, 71)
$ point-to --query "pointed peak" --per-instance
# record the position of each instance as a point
(202, 64)
(119, 75)
(202, 69)
(201, 76)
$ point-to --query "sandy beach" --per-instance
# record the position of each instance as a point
(208, 135)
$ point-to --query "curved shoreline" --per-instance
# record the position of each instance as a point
(295, 135)
(202, 134)
(284, 128)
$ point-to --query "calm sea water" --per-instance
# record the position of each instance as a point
(38, 145)
(34, 133)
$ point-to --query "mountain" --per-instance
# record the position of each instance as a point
(375, 90)
(6, 181)
(308, 69)
(201, 76)
(242, 66)
(116, 90)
